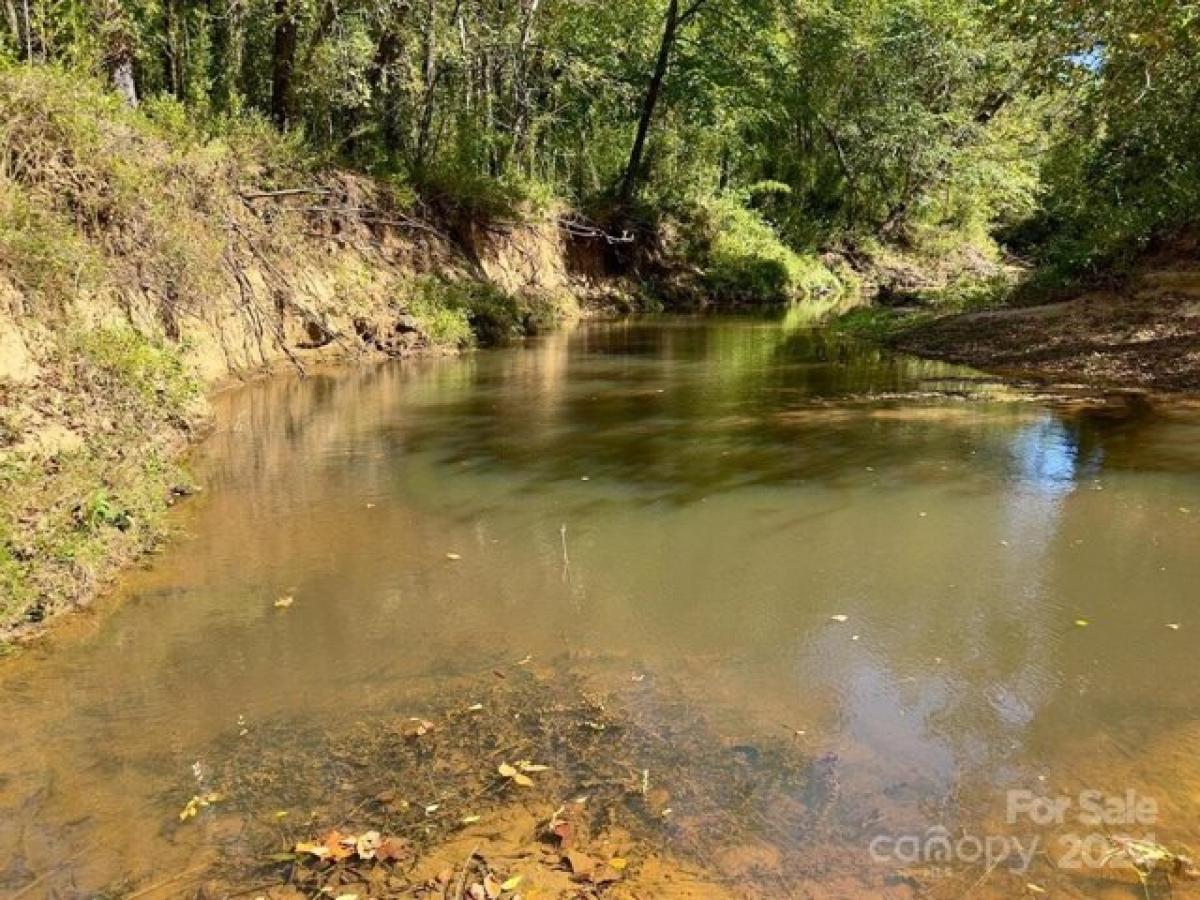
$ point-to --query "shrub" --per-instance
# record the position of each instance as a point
(744, 261)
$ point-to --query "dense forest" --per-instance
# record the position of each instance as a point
(1069, 131)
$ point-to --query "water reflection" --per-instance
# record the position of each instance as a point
(695, 499)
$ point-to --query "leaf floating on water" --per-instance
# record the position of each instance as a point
(285, 601)
(839, 618)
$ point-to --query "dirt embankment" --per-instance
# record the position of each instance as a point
(142, 264)
(1145, 335)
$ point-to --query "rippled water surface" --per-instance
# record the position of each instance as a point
(699, 501)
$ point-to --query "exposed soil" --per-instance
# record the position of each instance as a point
(1145, 337)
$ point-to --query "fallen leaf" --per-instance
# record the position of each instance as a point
(453, 557)
(506, 770)
(1174, 626)
(839, 618)
(526, 766)
(511, 884)
(1035, 888)
(619, 863)
(469, 820)
(1082, 623)
(526, 661)
(491, 886)
(475, 707)
(285, 602)
(309, 848)
(367, 844)
(522, 780)
(392, 849)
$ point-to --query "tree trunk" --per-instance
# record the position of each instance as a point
(283, 64)
(521, 90)
(28, 33)
(14, 23)
(122, 78)
(429, 67)
(118, 52)
(633, 170)
(170, 52)
(221, 67)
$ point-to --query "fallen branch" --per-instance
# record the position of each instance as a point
(577, 227)
(287, 192)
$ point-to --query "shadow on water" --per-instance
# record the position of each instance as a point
(777, 542)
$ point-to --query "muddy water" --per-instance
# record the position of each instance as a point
(702, 502)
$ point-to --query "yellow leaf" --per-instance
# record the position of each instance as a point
(469, 820)
(527, 766)
(511, 884)
(506, 770)
(619, 863)
(1082, 623)
(453, 557)
(284, 602)
(522, 780)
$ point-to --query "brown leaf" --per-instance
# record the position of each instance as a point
(392, 849)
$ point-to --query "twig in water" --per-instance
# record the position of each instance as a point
(462, 878)
(566, 559)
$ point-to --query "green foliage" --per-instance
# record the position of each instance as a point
(744, 261)
(1124, 163)
(154, 374)
(462, 313)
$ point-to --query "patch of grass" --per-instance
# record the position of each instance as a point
(744, 260)
(155, 374)
(878, 324)
(464, 313)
